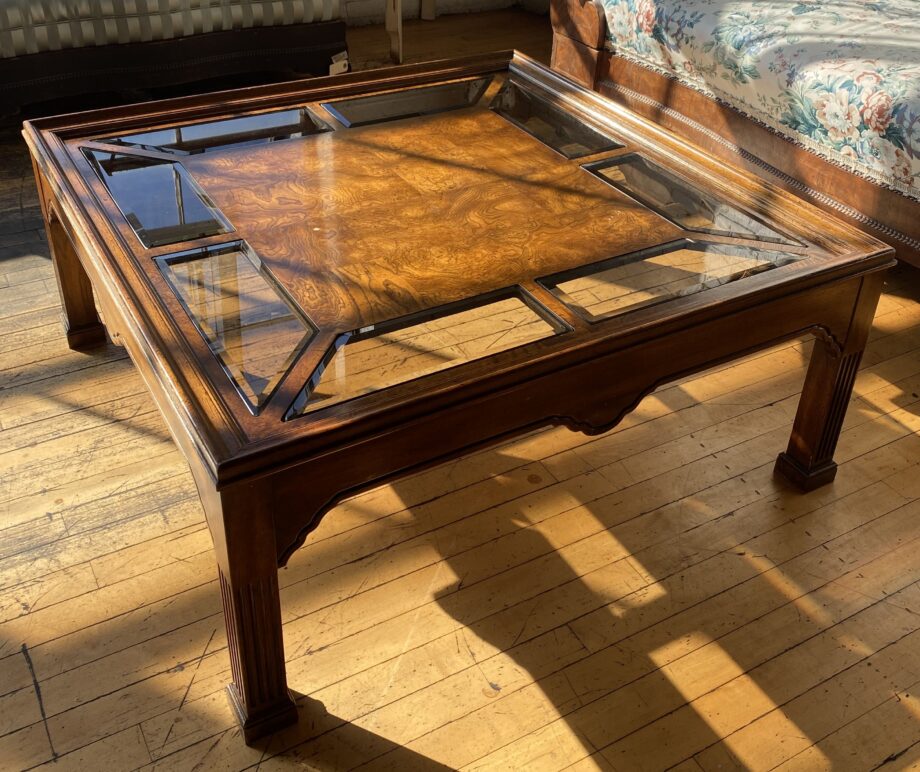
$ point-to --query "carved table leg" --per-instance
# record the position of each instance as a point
(394, 29)
(808, 462)
(244, 540)
(81, 322)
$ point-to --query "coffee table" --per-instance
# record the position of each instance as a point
(329, 284)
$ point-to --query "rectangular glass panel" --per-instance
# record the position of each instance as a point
(249, 325)
(245, 130)
(635, 281)
(159, 198)
(374, 358)
(680, 201)
(552, 125)
(408, 103)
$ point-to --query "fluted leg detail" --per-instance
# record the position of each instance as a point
(808, 462)
(242, 524)
(259, 690)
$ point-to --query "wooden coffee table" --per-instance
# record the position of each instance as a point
(329, 284)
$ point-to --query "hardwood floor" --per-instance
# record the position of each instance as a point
(646, 599)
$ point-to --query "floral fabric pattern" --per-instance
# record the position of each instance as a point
(839, 77)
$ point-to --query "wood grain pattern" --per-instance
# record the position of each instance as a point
(379, 221)
(582, 21)
(477, 205)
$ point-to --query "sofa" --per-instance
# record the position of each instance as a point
(821, 96)
(55, 48)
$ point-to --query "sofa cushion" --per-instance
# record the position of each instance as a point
(34, 26)
(839, 77)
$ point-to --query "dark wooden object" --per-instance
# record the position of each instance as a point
(579, 35)
(298, 49)
(579, 29)
(363, 225)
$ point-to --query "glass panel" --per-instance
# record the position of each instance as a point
(631, 282)
(408, 103)
(377, 357)
(253, 330)
(680, 201)
(245, 130)
(159, 198)
(552, 125)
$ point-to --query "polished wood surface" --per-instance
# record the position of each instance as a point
(474, 205)
(389, 219)
(580, 20)
(507, 610)
(530, 193)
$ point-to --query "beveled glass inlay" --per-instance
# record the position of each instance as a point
(679, 201)
(159, 198)
(251, 327)
(634, 281)
(408, 103)
(229, 132)
(374, 358)
(552, 125)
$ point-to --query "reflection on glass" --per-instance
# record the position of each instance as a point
(552, 125)
(408, 103)
(374, 358)
(634, 281)
(245, 130)
(680, 201)
(159, 198)
(250, 326)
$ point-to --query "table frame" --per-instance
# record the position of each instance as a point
(263, 495)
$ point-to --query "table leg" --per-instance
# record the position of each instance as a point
(244, 540)
(808, 462)
(81, 322)
(393, 26)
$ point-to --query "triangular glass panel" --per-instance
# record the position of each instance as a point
(383, 355)
(408, 102)
(552, 125)
(654, 276)
(252, 328)
(227, 132)
(158, 198)
(681, 202)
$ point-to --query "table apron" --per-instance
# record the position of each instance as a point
(591, 397)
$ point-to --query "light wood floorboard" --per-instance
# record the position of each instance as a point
(648, 599)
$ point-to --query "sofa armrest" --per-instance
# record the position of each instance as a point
(579, 32)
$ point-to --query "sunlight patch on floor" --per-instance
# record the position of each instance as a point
(719, 708)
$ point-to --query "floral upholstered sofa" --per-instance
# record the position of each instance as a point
(807, 88)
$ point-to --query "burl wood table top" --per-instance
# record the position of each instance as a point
(310, 261)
